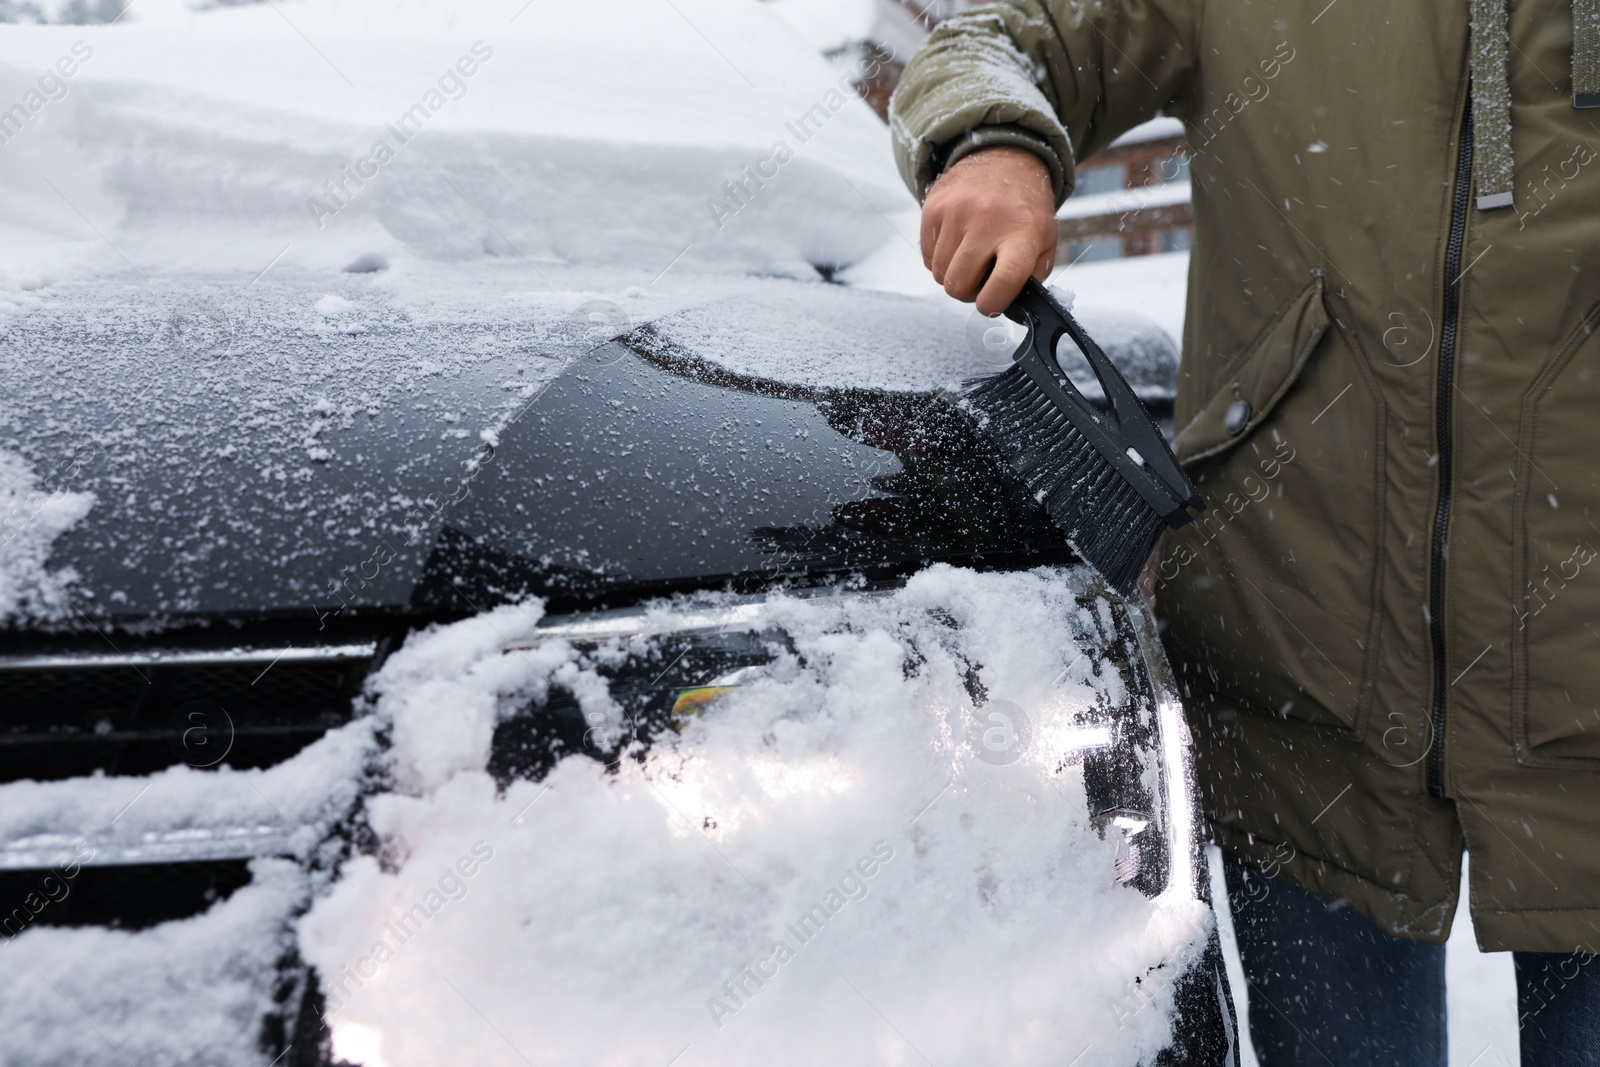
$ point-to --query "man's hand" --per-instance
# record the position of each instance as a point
(994, 208)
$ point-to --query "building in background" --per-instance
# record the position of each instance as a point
(1131, 199)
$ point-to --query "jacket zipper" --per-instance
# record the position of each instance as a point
(1444, 431)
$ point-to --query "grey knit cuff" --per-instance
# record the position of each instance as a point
(1061, 178)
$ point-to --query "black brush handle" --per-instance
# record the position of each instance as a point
(1155, 473)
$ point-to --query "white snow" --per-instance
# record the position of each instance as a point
(33, 513)
(1156, 129)
(1152, 286)
(592, 144)
(969, 910)
(1481, 995)
(332, 305)
(192, 991)
(605, 132)
(1120, 201)
(826, 25)
(831, 336)
(297, 801)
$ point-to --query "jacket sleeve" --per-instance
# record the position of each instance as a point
(1059, 77)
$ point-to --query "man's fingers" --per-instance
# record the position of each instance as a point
(1046, 263)
(929, 237)
(945, 246)
(1012, 267)
(995, 203)
(967, 268)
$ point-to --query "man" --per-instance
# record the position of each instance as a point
(1387, 622)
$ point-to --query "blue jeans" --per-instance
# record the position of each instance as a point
(1328, 986)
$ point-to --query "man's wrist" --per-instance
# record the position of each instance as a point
(984, 137)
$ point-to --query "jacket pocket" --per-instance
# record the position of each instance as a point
(1555, 642)
(1271, 595)
(1257, 380)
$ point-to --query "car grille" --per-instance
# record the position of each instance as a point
(126, 897)
(126, 717)
(109, 717)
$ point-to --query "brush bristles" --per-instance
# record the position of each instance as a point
(1106, 520)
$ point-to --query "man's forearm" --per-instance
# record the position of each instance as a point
(994, 108)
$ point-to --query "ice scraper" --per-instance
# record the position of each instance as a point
(1107, 478)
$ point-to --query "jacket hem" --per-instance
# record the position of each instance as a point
(1538, 930)
(1397, 913)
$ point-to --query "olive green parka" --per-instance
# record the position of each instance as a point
(1387, 622)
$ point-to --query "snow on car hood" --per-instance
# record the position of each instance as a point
(822, 868)
(32, 516)
(868, 340)
(232, 434)
(313, 447)
(191, 991)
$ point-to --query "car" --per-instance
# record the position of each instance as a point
(233, 505)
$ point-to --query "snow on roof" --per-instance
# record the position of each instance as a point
(1155, 130)
(607, 132)
(1121, 200)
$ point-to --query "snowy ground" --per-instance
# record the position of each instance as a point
(1481, 993)
(1482, 996)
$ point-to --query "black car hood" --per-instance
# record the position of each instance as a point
(314, 451)
(644, 467)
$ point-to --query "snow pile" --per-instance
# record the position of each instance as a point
(187, 992)
(326, 135)
(32, 516)
(832, 337)
(300, 799)
(821, 869)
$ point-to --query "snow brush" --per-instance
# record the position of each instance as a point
(1108, 479)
